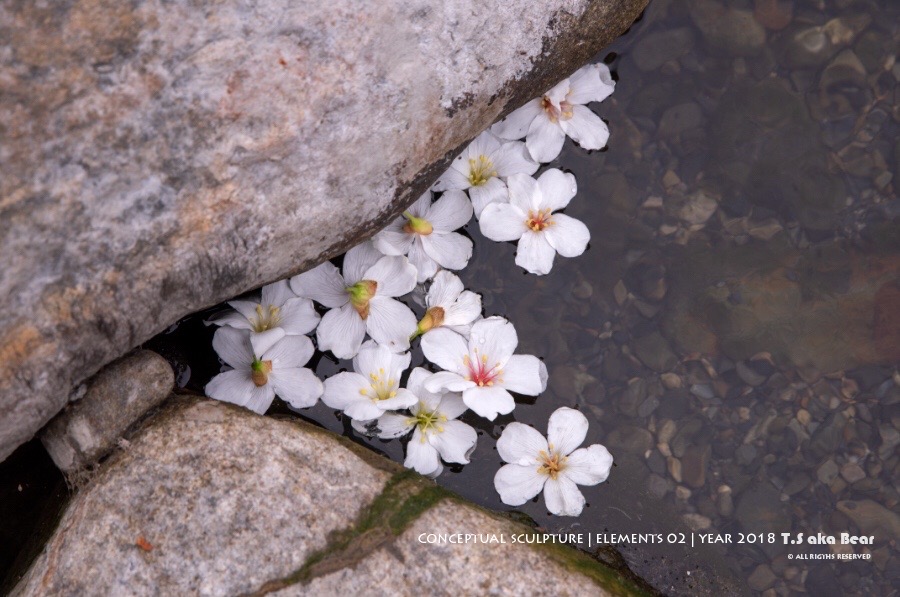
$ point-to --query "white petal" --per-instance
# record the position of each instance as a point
(568, 237)
(298, 386)
(488, 402)
(502, 222)
(341, 331)
(298, 316)
(403, 399)
(518, 484)
(233, 347)
(231, 318)
(566, 430)
(557, 189)
(521, 444)
(420, 207)
(588, 466)
(263, 341)
(451, 405)
(426, 267)
(455, 442)
(454, 179)
(545, 139)
(371, 358)
(562, 497)
(515, 126)
(464, 311)
(416, 385)
(493, 191)
(445, 349)
(494, 337)
(453, 210)
(559, 92)
(393, 242)
(535, 254)
(513, 158)
(290, 351)
(235, 386)
(524, 192)
(323, 284)
(359, 259)
(449, 249)
(592, 83)
(363, 410)
(445, 380)
(392, 425)
(276, 293)
(245, 308)
(484, 144)
(586, 128)
(390, 322)
(261, 399)
(422, 457)
(444, 290)
(395, 276)
(525, 374)
(345, 388)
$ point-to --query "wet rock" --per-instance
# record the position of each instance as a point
(773, 14)
(731, 29)
(693, 465)
(630, 439)
(852, 472)
(761, 578)
(807, 47)
(872, 518)
(748, 375)
(697, 522)
(845, 69)
(154, 157)
(760, 510)
(698, 208)
(113, 400)
(827, 472)
(724, 501)
(680, 118)
(658, 486)
(655, 49)
(654, 351)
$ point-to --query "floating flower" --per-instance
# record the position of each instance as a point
(361, 300)
(485, 369)
(448, 305)
(437, 435)
(425, 234)
(529, 219)
(552, 465)
(278, 312)
(254, 380)
(481, 168)
(373, 386)
(545, 122)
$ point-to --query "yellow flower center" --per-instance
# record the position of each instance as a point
(429, 420)
(539, 220)
(266, 319)
(417, 225)
(381, 387)
(481, 170)
(551, 464)
(360, 295)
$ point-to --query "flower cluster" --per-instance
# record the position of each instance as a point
(264, 338)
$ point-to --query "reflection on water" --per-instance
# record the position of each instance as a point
(733, 333)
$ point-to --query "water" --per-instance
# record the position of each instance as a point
(732, 334)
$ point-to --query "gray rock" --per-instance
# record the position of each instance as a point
(827, 472)
(115, 398)
(629, 438)
(160, 157)
(761, 578)
(655, 352)
(872, 519)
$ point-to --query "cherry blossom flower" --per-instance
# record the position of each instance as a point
(481, 168)
(254, 380)
(448, 305)
(361, 300)
(485, 369)
(373, 386)
(545, 122)
(436, 433)
(425, 234)
(529, 219)
(552, 465)
(275, 313)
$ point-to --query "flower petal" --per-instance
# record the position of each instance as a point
(263, 341)
(298, 316)
(449, 249)
(557, 189)
(521, 444)
(591, 83)
(421, 205)
(488, 402)
(451, 405)
(390, 323)
(290, 351)
(445, 349)
(395, 276)
(518, 484)
(513, 158)
(502, 222)
(562, 497)
(494, 337)
(535, 254)
(233, 347)
(233, 386)
(231, 318)
(261, 399)
(276, 293)
(403, 399)
(455, 442)
(464, 311)
(393, 242)
(359, 259)
(444, 290)
(454, 179)
(426, 267)
(493, 191)
(568, 237)
(445, 380)
(341, 331)
(515, 126)
(245, 308)
(345, 388)
(298, 386)
(586, 128)
(545, 139)
(484, 144)
(453, 210)
(588, 466)
(422, 457)
(392, 425)
(323, 284)
(525, 374)
(566, 430)
(524, 192)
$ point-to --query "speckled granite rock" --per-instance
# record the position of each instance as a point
(160, 157)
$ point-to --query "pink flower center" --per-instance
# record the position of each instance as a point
(480, 373)
(539, 220)
(565, 111)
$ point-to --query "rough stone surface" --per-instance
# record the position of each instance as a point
(113, 400)
(160, 157)
(207, 500)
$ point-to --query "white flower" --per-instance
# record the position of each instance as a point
(529, 219)
(482, 166)
(486, 369)
(437, 435)
(373, 387)
(545, 122)
(425, 234)
(448, 305)
(278, 312)
(556, 467)
(360, 300)
(255, 380)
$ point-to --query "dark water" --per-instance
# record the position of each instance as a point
(733, 332)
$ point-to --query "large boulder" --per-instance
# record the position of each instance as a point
(160, 157)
